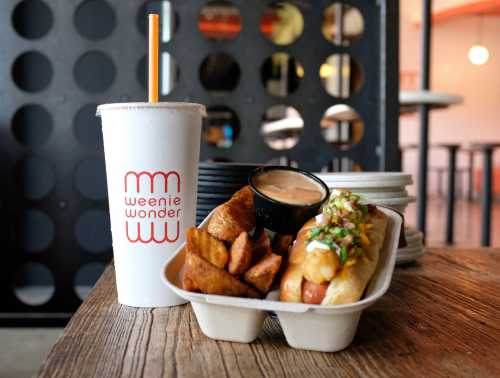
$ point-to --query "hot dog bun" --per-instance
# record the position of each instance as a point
(291, 282)
(349, 282)
(349, 285)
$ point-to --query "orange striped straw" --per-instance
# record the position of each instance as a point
(154, 22)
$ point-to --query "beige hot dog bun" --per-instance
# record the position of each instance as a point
(349, 282)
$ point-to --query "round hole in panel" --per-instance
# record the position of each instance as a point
(341, 75)
(95, 19)
(32, 125)
(282, 23)
(219, 73)
(221, 127)
(281, 127)
(343, 24)
(281, 74)
(93, 231)
(36, 231)
(168, 18)
(90, 178)
(87, 127)
(32, 71)
(34, 284)
(342, 126)
(86, 277)
(219, 20)
(169, 73)
(32, 19)
(94, 72)
(35, 178)
(142, 71)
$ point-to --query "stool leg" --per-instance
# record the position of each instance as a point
(450, 200)
(486, 198)
(470, 192)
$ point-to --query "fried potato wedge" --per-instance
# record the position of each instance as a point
(262, 274)
(240, 256)
(203, 276)
(202, 243)
(188, 284)
(281, 243)
(233, 217)
(244, 196)
(262, 245)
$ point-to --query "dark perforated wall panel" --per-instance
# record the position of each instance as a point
(59, 59)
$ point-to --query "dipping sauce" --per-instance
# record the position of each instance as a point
(289, 187)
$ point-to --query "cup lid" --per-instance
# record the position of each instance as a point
(154, 105)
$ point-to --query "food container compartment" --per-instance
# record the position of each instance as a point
(312, 327)
(229, 323)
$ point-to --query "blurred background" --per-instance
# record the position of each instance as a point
(323, 85)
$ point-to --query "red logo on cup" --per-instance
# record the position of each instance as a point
(151, 177)
(153, 201)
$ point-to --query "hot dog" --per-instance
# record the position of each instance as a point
(313, 293)
(335, 254)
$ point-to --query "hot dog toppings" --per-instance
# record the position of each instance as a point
(341, 227)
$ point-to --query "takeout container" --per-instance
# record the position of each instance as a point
(281, 217)
(312, 327)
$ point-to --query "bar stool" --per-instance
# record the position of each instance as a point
(487, 187)
(450, 198)
(424, 100)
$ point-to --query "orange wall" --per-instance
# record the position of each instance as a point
(478, 118)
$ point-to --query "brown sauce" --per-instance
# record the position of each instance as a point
(289, 187)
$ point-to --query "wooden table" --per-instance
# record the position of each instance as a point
(441, 317)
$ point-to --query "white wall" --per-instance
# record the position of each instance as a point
(478, 118)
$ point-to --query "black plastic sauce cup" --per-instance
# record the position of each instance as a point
(282, 217)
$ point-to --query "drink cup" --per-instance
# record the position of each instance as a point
(151, 152)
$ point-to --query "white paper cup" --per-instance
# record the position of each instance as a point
(152, 152)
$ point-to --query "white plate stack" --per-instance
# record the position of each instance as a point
(414, 249)
(384, 189)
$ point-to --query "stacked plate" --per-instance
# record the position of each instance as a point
(414, 249)
(380, 188)
(217, 182)
(384, 189)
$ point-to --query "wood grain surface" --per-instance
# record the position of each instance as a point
(440, 318)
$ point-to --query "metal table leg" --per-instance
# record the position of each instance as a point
(424, 119)
(450, 200)
(470, 177)
(486, 197)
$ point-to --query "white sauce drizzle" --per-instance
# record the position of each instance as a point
(311, 246)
